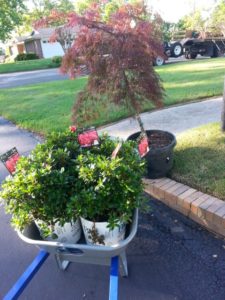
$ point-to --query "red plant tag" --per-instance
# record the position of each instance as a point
(143, 147)
(88, 138)
(10, 159)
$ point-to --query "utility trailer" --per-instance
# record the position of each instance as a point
(191, 47)
(212, 47)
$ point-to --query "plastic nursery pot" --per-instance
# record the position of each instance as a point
(99, 234)
(68, 233)
(160, 156)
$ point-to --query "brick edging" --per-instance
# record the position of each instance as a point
(204, 209)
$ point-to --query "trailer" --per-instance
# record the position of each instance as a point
(212, 47)
(191, 47)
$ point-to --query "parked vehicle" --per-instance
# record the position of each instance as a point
(205, 47)
(191, 47)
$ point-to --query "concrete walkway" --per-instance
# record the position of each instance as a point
(174, 119)
(171, 257)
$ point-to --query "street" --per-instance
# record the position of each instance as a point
(30, 77)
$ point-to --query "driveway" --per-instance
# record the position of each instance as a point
(171, 258)
(30, 77)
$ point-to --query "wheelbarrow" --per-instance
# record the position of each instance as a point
(114, 256)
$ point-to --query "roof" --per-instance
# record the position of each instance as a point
(41, 34)
(46, 33)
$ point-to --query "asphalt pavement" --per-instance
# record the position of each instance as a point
(30, 77)
(170, 258)
(16, 79)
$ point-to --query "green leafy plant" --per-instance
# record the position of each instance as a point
(26, 56)
(61, 181)
(57, 60)
(43, 183)
(109, 189)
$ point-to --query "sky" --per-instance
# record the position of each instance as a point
(173, 10)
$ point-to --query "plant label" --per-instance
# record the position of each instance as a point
(10, 159)
(88, 138)
(143, 147)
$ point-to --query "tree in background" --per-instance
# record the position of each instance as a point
(168, 30)
(43, 8)
(10, 16)
(106, 7)
(195, 22)
(217, 19)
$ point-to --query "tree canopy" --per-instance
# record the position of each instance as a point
(214, 23)
(218, 18)
(10, 16)
(119, 53)
(43, 8)
(106, 7)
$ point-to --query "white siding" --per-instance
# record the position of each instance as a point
(51, 49)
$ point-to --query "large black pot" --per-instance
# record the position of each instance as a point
(160, 157)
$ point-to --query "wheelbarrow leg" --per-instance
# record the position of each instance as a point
(26, 277)
(113, 285)
(123, 264)
(62, 264)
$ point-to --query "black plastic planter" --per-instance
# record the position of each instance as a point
(160, 157)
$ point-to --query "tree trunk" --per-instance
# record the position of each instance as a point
(139, 120)
(223, 110)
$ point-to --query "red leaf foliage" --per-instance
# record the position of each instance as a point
(119, 54)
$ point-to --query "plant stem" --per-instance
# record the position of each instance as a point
(133, 102)
(139, 120)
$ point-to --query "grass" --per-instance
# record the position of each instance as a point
(199, 159)
(193, 79)
(27, 65)
(46, 107)
(42, 107)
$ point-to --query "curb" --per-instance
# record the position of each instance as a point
(204, 209)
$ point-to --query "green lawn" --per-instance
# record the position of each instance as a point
(199, 160)
(193, 79)
(27, 65)
(46, 107)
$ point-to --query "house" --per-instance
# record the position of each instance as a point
(39, 42)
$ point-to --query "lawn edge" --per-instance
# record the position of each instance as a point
(104, 126)
(202, 208)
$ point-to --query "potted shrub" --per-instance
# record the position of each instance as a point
(41, 187)
(119, 49)
(109, 188)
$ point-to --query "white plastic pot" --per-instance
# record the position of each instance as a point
(98, 233)
(69, 233)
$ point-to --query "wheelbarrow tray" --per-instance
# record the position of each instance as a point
(81, 252)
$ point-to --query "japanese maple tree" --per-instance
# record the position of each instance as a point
(119, 53)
